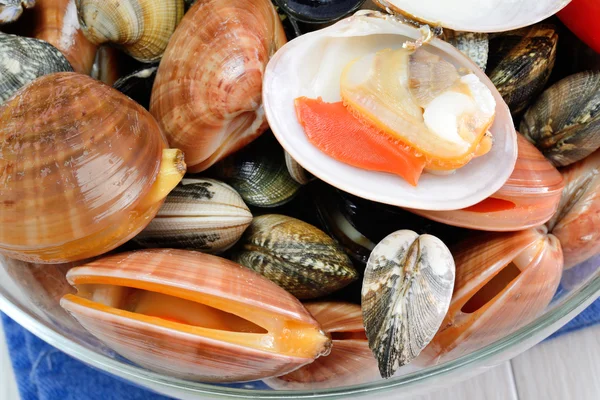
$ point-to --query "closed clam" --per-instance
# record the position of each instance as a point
(142, 28)
(207, 94)
(11, 10)
(577, 220)
(472, 44)
(83, 179)
(521, 62)
(138, 85)
(564, 122)
(406, 292)
(194, 316)
(503, 282)
(350, 361)
(529, 198)
(199, 214)
(297, 256)
(25, 59)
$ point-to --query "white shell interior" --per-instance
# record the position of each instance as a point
(480, 15)
(311, 66)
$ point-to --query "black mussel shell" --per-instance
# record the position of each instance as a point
(318, 11)
(138, 85)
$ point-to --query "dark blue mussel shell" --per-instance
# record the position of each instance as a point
(318, 11)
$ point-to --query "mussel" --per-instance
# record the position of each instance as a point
(138, 85)
(297, 256)
(319, 11)
(83, 169)
(207, 93)
(350, 361)
(142, 28)
(25, 59)
(199, 214)
(194, 316)
(564, 122)
(529, 198)
(577, 220)
(473, 45)
(503, 282)
(11, 10)
(406, 292)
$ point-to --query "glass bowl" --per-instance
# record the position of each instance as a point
(30, 295)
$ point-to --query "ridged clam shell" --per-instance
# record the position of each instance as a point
(521, 62)
(576, 222)
(406, 292)
(473, 45)
(142, 28)
(503, 282)
(24, 59)
(207, 94)
(350, 361)
(71, 181)
(138, 85)
(564, 122)
(11, 10)
(297, 256)
(529, 198)
(199, 214)
(209, 346)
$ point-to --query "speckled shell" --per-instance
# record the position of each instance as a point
(297, 256)
(199, 214)
(531, 196)
(350, 361)
(518, 300)
(521, 62)
(76, 159)
(142, 28)
(473, 45)
(11, 10)
(577, 221)
(189, 352)
(207, 93)
(564, 122)
(23, 59)
(406, 292)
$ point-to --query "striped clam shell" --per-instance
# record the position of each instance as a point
(406, 293)
(297, 256)
(11, 10)
(200, 214)
(24, 59)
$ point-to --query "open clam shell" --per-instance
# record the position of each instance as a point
(194, 316)
(311, 66)
(529, 198)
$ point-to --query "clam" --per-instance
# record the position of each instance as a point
(259, 174)
(194, 316)
(564, 122)
(296, 171)
(578, 217)
(138, 85)
(310, 67)
(473, 45)
(319, 12)
(475, 15)
(529, 198)
(199, 214)
(83, 169)
(25, 59)
(142, 28)
(297, 256)
(207, 97)
(11, 10)
(406, 292)
(503, 282)
(521, 62)
(350, 361)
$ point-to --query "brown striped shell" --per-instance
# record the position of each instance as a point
(529, 198)
(208, 89)
(297, 256)
(194, 316)
(77, 157)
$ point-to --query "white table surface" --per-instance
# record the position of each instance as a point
(565, 368)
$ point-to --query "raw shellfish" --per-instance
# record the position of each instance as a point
(199, 214)
(529, 198)
(211, 106)
(405, 295)
(211, 320)
(297, 256)
(11, 10)
(564, 122)
(142, 28)
(503, 281)
(83, 179)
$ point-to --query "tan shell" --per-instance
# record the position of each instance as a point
(207, 93)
